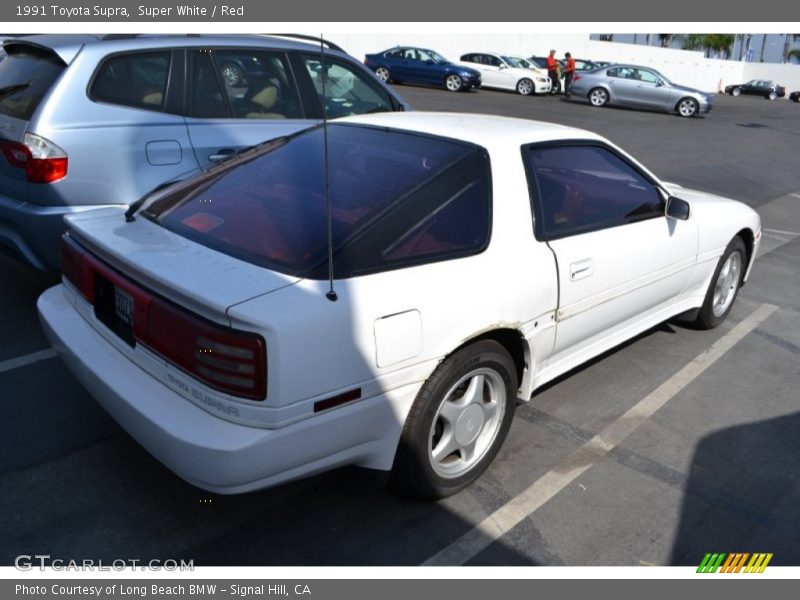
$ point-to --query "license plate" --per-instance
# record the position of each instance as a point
(123, 306)
(114, 308)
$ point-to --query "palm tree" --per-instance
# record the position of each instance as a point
(665, 39)
(719, 43)
(790, 38)
(795, 53)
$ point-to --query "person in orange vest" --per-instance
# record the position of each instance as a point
(569, 74)
(552, 71)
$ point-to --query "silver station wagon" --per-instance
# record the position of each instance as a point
(89, 121)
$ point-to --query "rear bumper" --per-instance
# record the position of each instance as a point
(33, 232)
(209, 452)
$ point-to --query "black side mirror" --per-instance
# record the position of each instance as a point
(677, 208)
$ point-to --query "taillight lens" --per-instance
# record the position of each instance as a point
(75, 267)
(224, 359)
(42, 160)
(576, 77)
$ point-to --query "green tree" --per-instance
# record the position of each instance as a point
(719, 43)
(665, 39)
(795, 53)
(790, 39)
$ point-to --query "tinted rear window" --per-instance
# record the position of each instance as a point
(26, 75)
(270, 210)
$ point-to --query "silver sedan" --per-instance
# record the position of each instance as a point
(639, 87)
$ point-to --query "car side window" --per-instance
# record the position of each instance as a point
(648, 76)
(622, 73)
(449, 217)
(395, 53)
(206, 98)
(492, 61)
(258, 84)
(581, 188)
(138, 80)
(347, 90)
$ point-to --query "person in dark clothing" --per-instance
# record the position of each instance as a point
(569, 74)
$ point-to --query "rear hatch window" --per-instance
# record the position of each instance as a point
(270, 209)
(26, 75)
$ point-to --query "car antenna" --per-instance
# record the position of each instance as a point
(331, 294)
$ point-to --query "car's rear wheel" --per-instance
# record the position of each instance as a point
(772, 96)
(688, 107)
(724, 285)
(383, 74)
(525, 87)
(453, 82)
(598, 97)
(232, 74)
(457, 423)
(736, 91)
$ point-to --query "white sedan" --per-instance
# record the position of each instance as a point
(508, 73)
(473, 259)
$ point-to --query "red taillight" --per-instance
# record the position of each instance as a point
(42, 160)
(76, 268)
(224, 359)
(576, 77)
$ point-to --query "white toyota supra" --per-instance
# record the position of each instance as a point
(472, 260)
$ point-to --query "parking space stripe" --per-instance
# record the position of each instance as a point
(28, 359)
(542, 490)
(781, 232)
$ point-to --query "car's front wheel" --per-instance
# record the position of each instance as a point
(457, 423)
(598, 97)
(688, 107)
(383, 74)
(525, 87)
(724, 285)
(736, 91)
(453, 82)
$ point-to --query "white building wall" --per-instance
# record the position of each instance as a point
(685, 67)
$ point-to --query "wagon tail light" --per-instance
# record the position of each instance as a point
(41, 159)
(223, 358)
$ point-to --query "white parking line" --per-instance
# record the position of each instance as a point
(28, 359)
(509, 515)
(781, 232)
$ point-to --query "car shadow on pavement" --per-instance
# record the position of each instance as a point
(743, 494)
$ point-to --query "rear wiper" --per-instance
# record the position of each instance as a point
(129, 218)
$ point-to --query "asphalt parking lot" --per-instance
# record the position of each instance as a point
(709, 466)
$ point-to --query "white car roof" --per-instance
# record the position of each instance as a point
(484, 130)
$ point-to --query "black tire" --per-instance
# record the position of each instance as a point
(706, 317)
(383, 74)
(415, 471)
(453, 83)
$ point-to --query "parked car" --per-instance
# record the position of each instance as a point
(795, 96)
(639, 87)
(89, 121)
(205, 323)
(757, 87)
(405, 64)
(580, 65)
(508, 73)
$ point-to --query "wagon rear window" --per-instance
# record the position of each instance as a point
(26, 75)
(396, 199)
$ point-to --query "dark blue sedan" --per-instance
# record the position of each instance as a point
(420, 65)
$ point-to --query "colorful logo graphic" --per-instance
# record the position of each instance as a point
(734, 563)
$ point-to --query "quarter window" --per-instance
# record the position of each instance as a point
(585, 188)
(346, 90)
(206, 96)
(137, 80)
